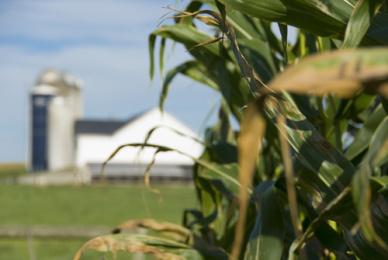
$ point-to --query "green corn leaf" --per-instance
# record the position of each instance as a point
(217, 195)
(230, 169)
(192, 69)
(190, 37)
(363, 136)
(314, 154)
(362, 194)
(323, 174)
(381, 181)
(360, 21)
(378, 31)
(385, 105)
(214, 59)
(252, 34)
(245, 26)
(284, 33)
(222, 134)
(319, 17)
(258, 54)
(357, 240)
(266, 240)
(151, 49)
(217, 198)
(161, 54)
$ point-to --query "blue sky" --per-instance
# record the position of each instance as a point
(102, 42)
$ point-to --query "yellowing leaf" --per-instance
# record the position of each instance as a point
(344, 73)
(249, 146)
(160, 248)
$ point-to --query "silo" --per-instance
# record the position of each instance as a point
(60, 134)
(55, 106)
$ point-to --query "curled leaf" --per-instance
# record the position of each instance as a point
(344, 73)
(175, 231)
(160, 248)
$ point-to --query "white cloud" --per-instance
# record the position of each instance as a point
(113, 21)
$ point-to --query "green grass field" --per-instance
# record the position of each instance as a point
(85, 206)
(11, 170)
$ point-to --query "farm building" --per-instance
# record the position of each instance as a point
(60, 138)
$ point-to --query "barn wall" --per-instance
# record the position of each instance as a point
(136, 172)
(97, 148)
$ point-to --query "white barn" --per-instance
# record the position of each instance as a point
(60, 139)
(96, 140)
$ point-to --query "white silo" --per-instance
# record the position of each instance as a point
(55, 106)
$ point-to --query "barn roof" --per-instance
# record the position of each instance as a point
(103, 127)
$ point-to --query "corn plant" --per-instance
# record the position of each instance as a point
(305, 175)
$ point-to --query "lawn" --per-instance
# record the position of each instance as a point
(87, 206)
(11, 170)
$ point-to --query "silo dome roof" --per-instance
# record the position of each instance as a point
(57, 78)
